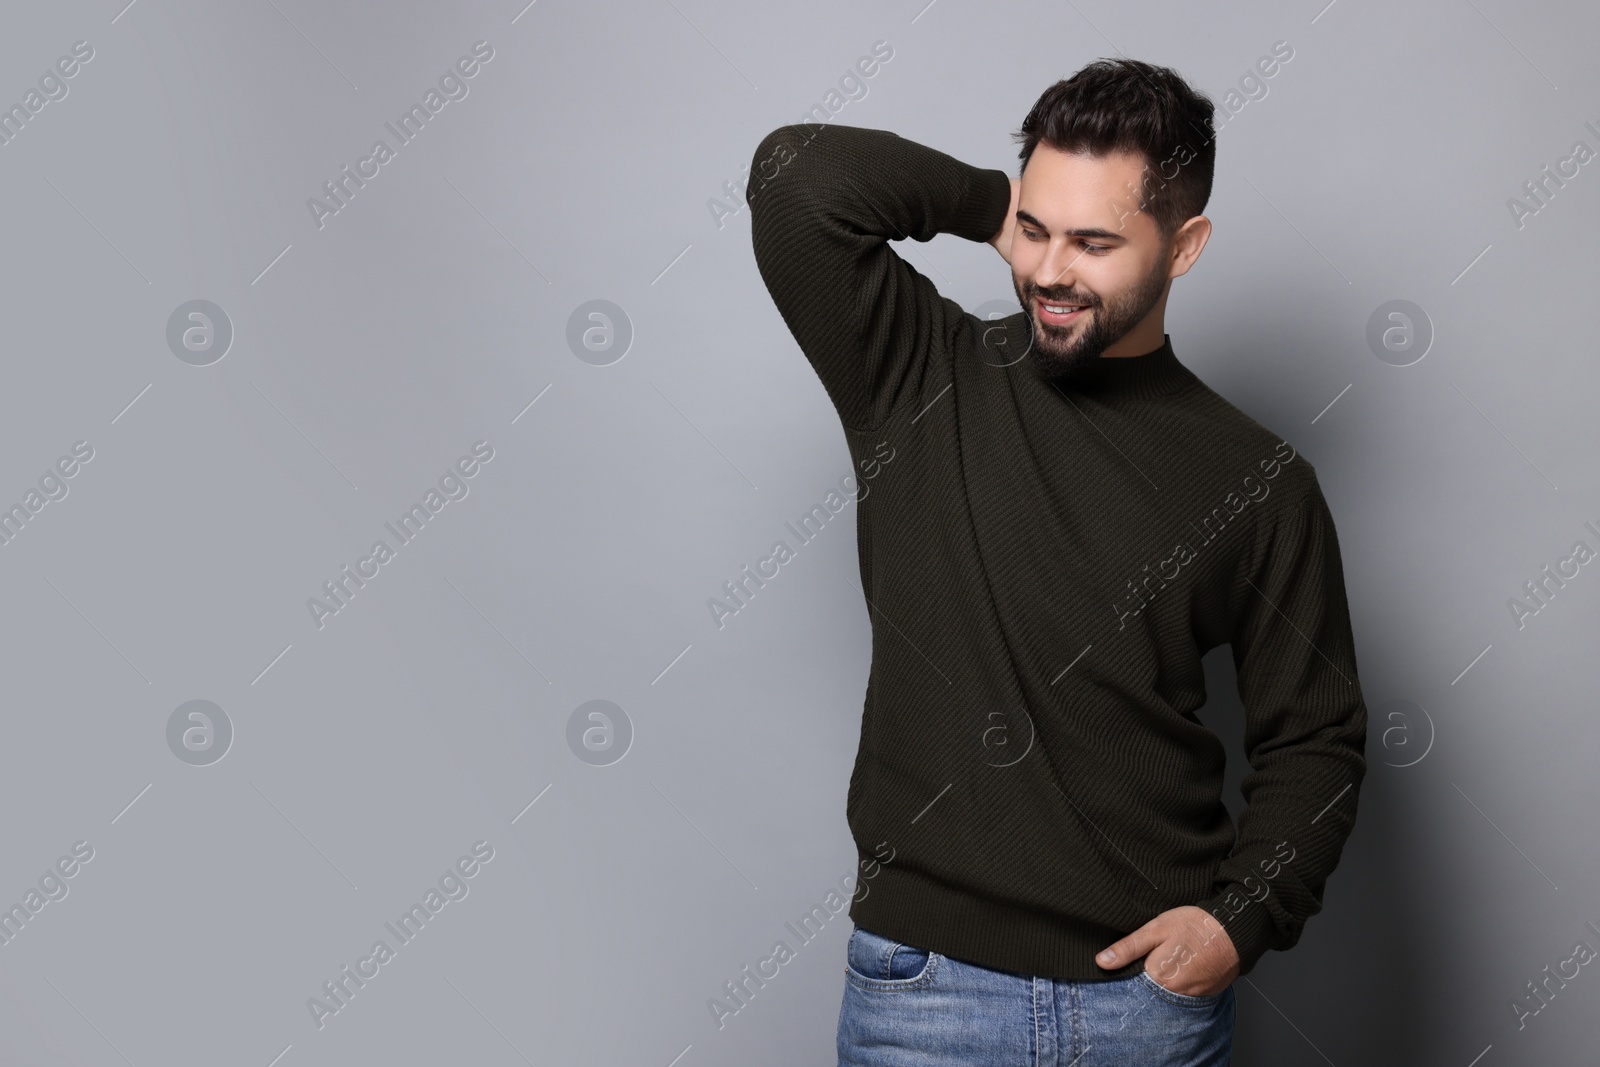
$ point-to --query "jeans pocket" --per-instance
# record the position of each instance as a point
(873, 961)
(1181, 999)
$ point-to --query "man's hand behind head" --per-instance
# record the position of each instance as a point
(1008, 228)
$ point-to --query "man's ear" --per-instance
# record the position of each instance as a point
(1187, 244)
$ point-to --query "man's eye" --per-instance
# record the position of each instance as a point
(1097, 248)
(1032, 235)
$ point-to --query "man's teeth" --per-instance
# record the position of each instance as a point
(1062, 309)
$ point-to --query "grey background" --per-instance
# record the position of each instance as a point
(369, 354)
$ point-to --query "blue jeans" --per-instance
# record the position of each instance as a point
(908, 1007)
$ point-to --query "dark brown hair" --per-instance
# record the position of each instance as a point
(1124, 105)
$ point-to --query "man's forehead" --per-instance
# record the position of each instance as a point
(1078, 190)
(1050, 167)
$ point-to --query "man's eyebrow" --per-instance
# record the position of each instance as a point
(1090, 232)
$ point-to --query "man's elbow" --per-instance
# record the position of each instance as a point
(777, 150)
(783, 142)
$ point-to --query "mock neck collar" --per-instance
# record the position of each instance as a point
(1153, 374)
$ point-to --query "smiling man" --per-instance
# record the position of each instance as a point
(1074, 325)
(1073, 520)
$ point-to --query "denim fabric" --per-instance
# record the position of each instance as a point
(907, 1007)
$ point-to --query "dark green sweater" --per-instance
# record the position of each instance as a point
(1044, 566)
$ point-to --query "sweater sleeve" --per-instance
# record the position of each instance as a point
(1305, 730)
(825, 201)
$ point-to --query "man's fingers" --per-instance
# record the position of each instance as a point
(1129, 948)
(1168, 962)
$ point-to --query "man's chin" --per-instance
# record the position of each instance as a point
(1055, 359)
(1061, 337)
(1059, 365)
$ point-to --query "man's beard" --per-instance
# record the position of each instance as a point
(1072, 350)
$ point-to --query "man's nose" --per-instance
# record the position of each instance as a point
(1055, 269)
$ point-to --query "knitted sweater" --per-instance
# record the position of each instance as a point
(1044, 564)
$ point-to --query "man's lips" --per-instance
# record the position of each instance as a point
(1056, 318)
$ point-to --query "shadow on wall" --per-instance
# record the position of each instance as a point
(1347, 993)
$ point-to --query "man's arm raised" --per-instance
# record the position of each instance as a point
(825, 201)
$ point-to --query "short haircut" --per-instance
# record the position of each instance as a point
(1124, 105)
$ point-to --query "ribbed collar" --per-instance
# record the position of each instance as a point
(1153, 374)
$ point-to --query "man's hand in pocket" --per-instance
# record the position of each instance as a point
(1189, 952)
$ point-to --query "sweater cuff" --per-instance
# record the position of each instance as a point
(983, 205)
(1251, 930)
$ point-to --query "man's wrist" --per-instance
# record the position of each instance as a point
(981, 214)
(1250, 930)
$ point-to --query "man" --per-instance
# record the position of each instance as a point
(1070, 521)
